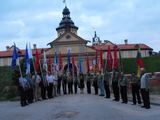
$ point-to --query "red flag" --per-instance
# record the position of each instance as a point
(73, 67)
(138, 59)
(115, 58)
(37, 59)
(109, 58)
(60, 61)
(87, 63)
(101, 59)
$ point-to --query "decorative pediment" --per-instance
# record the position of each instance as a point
(68, 38)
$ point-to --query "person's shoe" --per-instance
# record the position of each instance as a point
(122, 102)
(101, 95)
(148, 107)
(143, 106)
(133, 104)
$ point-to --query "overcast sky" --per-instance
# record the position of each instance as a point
(34, 21)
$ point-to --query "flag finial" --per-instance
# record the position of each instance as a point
(64, 1)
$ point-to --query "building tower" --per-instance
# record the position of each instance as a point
(96, 40)
(66, 23)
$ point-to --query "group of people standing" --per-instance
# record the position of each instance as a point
(34, 87)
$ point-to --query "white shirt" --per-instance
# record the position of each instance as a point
(37, 80)
(49, 78)
(145, 81)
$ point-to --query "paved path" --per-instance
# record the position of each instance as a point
(77, 107)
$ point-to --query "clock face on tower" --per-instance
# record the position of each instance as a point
(68, 37)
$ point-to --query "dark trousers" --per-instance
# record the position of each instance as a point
(75, 87)
(30, 95)
(107, 90)
(23, 97)
(50, 90)
(145, 97)
(70, 88)
(43, 92)
(95, 85)
(136, 94)
(115, 90)
(64, 88)
(88, 87)
(123, 90)
(59, 88)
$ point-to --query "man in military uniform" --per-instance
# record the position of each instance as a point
(107, 79)
(123, 83)
(135, 89)
(64, 83)
(81, 82)
(145, 89)
(70, 84)
(88, 83)
(75, 81)
(115, 86)
(101, 83)
(23, 86)
(59, 82)
(95, 83)
(31, 88)
(44, 85)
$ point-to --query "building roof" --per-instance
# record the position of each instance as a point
(21, 52)
(123, 47)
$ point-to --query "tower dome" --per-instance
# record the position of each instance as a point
(66, 23)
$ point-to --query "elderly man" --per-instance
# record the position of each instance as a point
(49, 78)
(135, 89)
(144, 85)
(123, 83)
(37, 91)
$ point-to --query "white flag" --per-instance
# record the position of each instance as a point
(30, 52)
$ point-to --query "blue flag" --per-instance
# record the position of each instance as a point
(56, 62)
(14, 57)
(69, 59)
(27, 61)
(79, 64)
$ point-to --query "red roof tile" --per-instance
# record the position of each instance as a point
(123, 47)
(10, 53)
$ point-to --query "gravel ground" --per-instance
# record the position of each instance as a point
(77, 107)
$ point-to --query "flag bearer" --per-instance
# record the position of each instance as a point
(115, 86)
(107, 79)
(88, 83)
(101, 83)
(64, 83)
(95, 83)
(23, 87)
(145, 89)
(135, 89)
(75, 81)
(37, 79)
(123, 83)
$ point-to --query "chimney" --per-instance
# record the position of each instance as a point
(7, 48)
(34, 46)
(126, 41)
